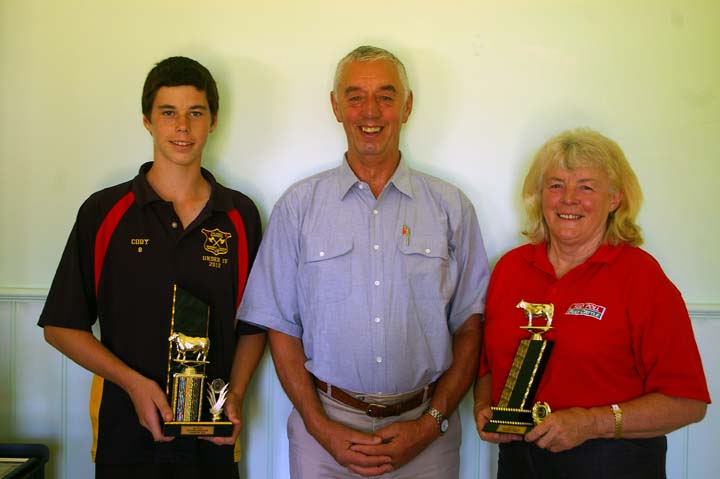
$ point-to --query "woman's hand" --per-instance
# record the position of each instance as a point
(565, 429)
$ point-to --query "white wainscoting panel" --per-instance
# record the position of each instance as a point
(702, 450)
(44, 399)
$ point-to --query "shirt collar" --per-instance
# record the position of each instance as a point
(144, 194)
(400, 179)
(538, 256)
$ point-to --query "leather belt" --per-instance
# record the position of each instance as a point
(375, 409)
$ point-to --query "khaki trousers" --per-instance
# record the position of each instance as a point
(309, 460)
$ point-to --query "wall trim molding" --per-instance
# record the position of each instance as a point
(704, 310)
(697, 310)
(23, 294)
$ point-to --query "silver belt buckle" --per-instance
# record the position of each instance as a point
(374, 409)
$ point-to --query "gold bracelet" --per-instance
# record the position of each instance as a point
(618, 420)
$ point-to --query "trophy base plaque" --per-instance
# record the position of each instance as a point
(198, 428)
(516, 421)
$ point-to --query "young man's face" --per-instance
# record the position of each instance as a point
(372, 105)
(180, 122)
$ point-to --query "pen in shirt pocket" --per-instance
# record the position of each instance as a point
(406, 234)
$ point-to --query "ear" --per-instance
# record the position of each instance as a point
(214, 122)
(615, 200)
(335, 107)
(408, 107)
(147, 124)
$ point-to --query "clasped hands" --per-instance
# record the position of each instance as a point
(384, 450)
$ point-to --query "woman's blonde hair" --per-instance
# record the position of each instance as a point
(585, 148)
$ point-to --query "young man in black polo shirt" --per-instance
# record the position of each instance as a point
(172, 224)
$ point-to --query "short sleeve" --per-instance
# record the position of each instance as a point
(473, 269)
(270, 299)
(71, 299)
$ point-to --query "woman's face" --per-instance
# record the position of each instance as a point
(576, 204)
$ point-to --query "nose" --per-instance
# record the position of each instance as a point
(569, 195)
(371, 108)
(182, 123)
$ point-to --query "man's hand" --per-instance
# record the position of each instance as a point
(149, 400)
(343, 444)
(401, 441)
(564, 429)
(289, 358)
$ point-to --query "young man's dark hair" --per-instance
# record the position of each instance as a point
(179, 71)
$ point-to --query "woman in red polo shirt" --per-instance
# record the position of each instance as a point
(624, 369)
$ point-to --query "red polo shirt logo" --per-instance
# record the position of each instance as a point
(586, 309)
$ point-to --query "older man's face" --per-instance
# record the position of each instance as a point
(371, 104)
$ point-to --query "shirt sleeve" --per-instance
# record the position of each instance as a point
(666, 353)
(71, 300)
(499, 274)
(473, 270)
(270, 299)
(253, 239)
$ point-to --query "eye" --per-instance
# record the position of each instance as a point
(554, 186)
(196, 114)
(167, 113)
(586, 188)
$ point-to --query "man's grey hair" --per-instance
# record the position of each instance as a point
(367, 53)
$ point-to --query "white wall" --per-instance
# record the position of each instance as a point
(492, 80)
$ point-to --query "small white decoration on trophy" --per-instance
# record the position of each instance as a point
(217, 394)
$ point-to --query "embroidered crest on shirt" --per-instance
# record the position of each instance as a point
(591, 310)
(215, 243)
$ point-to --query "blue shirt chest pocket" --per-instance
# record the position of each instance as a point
(426, 265)
(326, 269)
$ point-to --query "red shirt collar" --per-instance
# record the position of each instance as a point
(537, 255)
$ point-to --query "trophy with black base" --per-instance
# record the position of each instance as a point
(513, 415)
(187, 362)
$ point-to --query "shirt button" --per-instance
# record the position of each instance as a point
(377, 283)
(174, 224)
(377, 320)
(376, 247)
(378, 359)
(427, 250)
(322, 253)
(375, 212)
(361, 186)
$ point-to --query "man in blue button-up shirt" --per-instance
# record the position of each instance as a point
(371, 279)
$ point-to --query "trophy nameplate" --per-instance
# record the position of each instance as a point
(515, 413)
(187, 361)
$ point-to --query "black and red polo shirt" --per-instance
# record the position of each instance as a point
(125, 252)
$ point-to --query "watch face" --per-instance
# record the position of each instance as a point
(444, 425)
